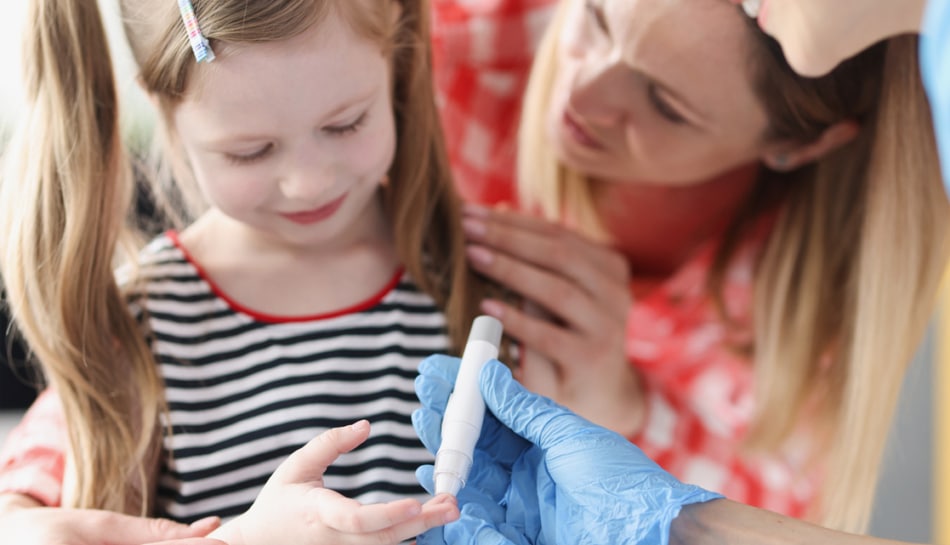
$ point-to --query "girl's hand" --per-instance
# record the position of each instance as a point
(573, 325)
(294, 507)
(59, 526)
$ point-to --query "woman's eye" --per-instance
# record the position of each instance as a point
(244, 158)
(596, 13)
(663, 107)
(343, 130)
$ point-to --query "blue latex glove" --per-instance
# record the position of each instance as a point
(934, 51)
(543, 475)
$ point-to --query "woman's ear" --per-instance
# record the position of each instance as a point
(395, 11)
(787, 157)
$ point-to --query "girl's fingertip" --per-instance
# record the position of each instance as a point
(451, 516)
(436, 500)
(446, 498)
(360, 426)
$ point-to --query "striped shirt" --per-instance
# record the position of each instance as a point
(244, 391)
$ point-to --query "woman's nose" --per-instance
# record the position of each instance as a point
(599, 94)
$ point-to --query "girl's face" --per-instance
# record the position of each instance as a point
(654, 91)
(292, 138)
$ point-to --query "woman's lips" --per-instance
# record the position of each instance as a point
(318, 214)
(580, 134)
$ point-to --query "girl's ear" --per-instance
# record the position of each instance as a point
(787, 156)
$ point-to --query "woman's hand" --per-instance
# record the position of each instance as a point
(294, 507)
(573, 326)
(23, 523)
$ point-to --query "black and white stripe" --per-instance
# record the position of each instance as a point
(244, 393)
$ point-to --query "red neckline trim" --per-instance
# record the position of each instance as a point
(273, 318)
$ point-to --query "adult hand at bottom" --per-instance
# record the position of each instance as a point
(60, 526)
(192, 541)
(544, 475)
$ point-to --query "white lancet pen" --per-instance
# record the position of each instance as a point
(465, 411)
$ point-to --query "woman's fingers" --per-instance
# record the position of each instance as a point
(548, 246)
(557, 294)
(537, 332)
(89, 526)
(559, 268)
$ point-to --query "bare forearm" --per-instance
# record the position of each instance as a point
(725, 522)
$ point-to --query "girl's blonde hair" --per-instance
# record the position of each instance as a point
(67, 193)
(847, 282)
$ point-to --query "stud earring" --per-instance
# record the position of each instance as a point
(781, 162)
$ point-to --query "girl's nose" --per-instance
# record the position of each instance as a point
(306, 182)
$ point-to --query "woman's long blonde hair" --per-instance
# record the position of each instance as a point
(66, 210)
(847, 282)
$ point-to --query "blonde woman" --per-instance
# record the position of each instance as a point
(771, 244)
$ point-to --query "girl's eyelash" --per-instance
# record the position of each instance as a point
(250, 157)
(261, 153)
(346, 129)
(663, 108)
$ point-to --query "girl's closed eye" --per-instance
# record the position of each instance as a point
(343, 130)
(255, 155)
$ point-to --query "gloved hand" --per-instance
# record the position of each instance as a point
(543, 475)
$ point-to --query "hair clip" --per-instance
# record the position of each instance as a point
(199, 44)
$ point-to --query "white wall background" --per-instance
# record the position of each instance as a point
(136, 110)
(10, 75)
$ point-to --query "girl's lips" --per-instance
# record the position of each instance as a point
(318, 214)
(579, 133)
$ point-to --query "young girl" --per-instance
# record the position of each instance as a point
(775, 242)
(324, 261)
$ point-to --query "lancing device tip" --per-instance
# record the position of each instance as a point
(465, 411)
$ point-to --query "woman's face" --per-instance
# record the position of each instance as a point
(655, 91)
